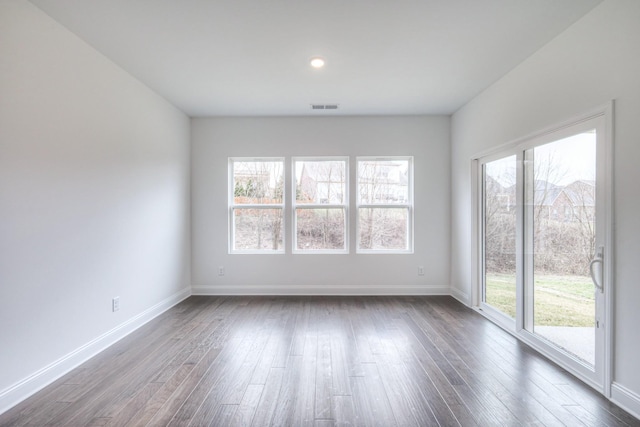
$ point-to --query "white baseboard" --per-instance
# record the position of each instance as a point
(337, 290)
(460, 296)
(626, 399)
(21, 390)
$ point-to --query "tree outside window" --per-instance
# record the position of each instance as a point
(257, 205)
(385, 204)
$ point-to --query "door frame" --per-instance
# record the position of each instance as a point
(605, 187)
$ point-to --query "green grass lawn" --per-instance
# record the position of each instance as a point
(558, 300)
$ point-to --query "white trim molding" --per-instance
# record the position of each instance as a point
(35, 382)
(626, 399)
(329, 290)
(461, 296)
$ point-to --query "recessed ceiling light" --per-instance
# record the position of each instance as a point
(317, 62)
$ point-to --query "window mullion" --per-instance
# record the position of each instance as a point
(259, 206)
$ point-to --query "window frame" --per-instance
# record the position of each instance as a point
(295, 206)
(408, 205)
(232, 206)
(604, 186)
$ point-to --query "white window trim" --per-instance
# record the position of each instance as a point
(295, 206)
(232, 206)
(409, 206)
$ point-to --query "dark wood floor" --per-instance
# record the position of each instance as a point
(318, 361)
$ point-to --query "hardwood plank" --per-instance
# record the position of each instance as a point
(197, 376)
(304, 413)
(584, 417)
(123, 378)
(344, 411)
(269, 398)
(546, 409)
(288, 393)
(489, 383)
(35, 405)
(161, 400)
(283, 349)
(370, 399)
(275, 345)
(41, 417)
(362, 329)
(128, 385)
(172, 399)
(318, 361)
(182, 366)
(338, 348)
(603, 412)
(540, 396)
(407, 402)
(243, 416)
(98, 422)
(434, 352)
(303, 326)
(230, 376)
(323, 379)
(223, 415)
(447, 406)
(135, 405)
(352, 352)
(40, 413)
(492, 392)
(216, 376)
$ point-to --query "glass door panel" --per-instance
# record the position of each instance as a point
(560, 227)
(499, 246)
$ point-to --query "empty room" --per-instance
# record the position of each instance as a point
(336, 213)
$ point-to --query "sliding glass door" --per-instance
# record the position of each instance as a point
(542, 209)
(499, 225)
(561, 234)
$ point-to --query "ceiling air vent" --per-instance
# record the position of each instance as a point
(324, 106)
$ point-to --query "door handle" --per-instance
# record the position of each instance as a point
(597, 279)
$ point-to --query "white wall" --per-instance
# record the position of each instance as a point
(214, 140)
(94, 201)
(594, 61)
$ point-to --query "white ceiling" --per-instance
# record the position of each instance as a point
(251, 57)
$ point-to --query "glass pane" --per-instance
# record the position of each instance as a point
(257, 182)
(321, 182)
(257, 229)
(320, 229)
(500, 234)
(383, 181)
(563, 234)
(383, 228)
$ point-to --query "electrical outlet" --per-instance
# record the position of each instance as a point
(420, 271)
(115, 304)
(221, 271)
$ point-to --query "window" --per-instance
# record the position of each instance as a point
(320, 205)
(318, 208)
(385, 204)
(256, 205)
